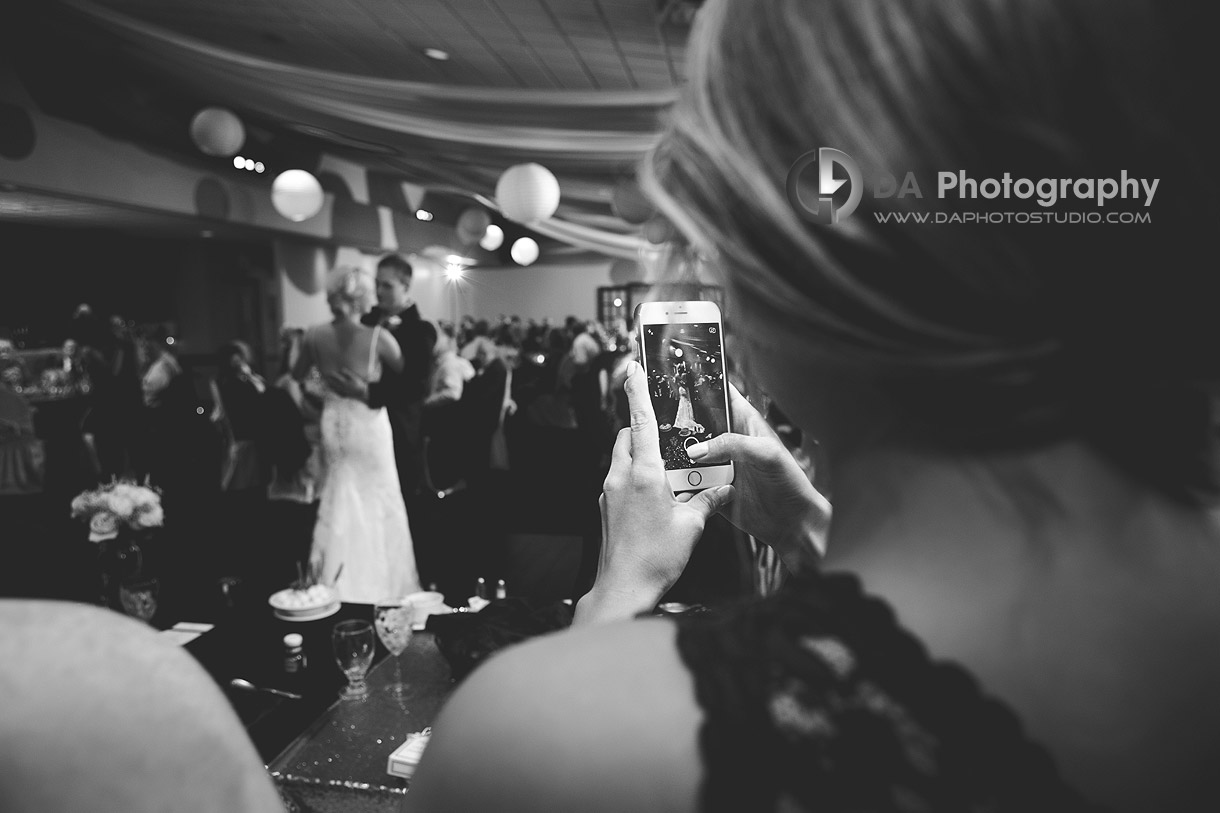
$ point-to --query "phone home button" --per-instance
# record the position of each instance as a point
(694, 478)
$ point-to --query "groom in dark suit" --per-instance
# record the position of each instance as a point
(402, 394)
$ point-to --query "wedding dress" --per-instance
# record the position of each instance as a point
(361, 541)
(686, 414)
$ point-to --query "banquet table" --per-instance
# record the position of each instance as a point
(324, 753)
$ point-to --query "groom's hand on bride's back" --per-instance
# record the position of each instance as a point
(348, 385)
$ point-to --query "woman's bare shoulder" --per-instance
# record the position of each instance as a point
(600, 718)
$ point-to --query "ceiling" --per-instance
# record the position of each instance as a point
(579, 86)
(546, 44)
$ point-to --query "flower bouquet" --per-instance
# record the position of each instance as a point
(120, 515)
(117, 505)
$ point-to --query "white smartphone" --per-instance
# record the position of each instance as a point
(682, 351)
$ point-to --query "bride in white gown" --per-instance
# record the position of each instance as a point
(361, 543)
(685, 419)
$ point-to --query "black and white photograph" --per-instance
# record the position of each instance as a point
(592, 406)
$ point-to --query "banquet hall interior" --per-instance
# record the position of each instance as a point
(180, 181)
(179, 178)
(317, 319)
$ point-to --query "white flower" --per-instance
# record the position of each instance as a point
(152, 517)
(121, 505)
(104, 525)
(145, 498)
(121, 502)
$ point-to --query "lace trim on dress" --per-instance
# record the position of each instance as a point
(816, 700)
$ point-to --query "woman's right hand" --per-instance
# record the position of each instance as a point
(775, 501)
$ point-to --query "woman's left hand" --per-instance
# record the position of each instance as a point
(648, 534)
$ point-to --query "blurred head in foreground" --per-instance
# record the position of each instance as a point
(954, 293)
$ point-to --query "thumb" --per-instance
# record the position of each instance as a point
(710, 501)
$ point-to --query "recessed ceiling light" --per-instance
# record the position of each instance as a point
(436, 53)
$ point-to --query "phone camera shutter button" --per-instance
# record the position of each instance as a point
(694, 478)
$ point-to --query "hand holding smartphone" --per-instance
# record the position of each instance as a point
(682, 352)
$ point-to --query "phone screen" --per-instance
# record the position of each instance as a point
(685, 365)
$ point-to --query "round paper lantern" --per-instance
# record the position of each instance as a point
(472, 224)
(493, 237)
(658, 230)
(630, 204)
(524, 251)
(624, 271)
(217, 131)
(297, 195)
(527, 193)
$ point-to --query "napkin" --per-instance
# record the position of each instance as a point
(184, 632)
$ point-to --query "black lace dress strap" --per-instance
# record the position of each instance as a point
(815, 699)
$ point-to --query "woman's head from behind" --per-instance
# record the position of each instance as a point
(997, 322)
(349, 292)
(446, 342)
(234, 358)
(290, 346)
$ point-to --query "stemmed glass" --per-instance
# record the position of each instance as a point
(394, 618)
(353, 642)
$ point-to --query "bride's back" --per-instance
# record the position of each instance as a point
(344, 346)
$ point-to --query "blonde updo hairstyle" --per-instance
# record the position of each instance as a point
(979, 336)
(349, 291)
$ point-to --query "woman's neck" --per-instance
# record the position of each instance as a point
(1075, 594)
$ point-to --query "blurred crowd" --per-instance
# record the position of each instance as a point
(234, 448)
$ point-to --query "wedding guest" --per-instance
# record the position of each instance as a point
(160, 368)
(13, 369)
(237, 395)
(240, 413)
(1017, 610)
(296, 466)
(294, 412)
(478, 347)
(169, 405)
(450, 372)
(109, 360)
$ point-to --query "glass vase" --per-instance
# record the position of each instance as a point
(119, 560)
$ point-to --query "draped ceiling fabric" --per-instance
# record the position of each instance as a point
(444, 137)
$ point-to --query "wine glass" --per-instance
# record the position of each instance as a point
(394, 618)
(353, 642)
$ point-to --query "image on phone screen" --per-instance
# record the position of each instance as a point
(685, 368)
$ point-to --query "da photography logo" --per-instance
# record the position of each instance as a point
(824, 209)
